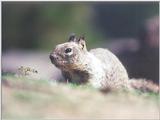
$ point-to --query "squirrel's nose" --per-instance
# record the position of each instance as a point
(53, 57)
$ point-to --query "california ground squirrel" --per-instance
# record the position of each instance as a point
(99, 67)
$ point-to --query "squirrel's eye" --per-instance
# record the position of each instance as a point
(68, 50)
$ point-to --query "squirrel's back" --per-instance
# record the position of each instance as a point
(116, 74)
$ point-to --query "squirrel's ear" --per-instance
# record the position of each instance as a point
(81, 42)
(82, 38)
(72, 37)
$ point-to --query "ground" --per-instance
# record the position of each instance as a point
(25, 98)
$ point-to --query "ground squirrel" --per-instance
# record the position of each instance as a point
(98, 67)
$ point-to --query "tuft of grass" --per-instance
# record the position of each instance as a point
(83, 86)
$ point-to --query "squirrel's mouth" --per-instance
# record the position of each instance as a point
(59, 62)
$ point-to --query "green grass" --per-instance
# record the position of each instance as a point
(25, 98)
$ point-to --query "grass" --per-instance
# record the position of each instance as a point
(25, 98)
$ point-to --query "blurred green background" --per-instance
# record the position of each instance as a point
(129, 29)
(42, 25)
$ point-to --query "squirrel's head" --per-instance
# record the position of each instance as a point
(69, 54)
